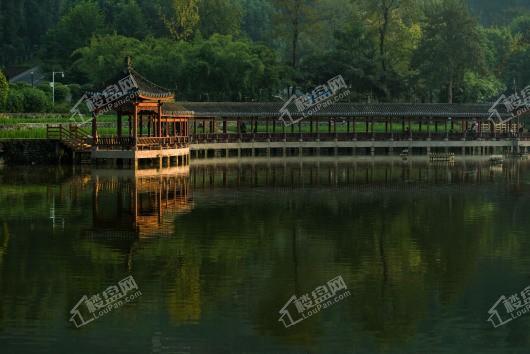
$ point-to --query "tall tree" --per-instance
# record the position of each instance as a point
(220, 16)
(384, 9)
(450, 46)
(257, 19)
(293, 16)
(129, 19)
(181, 17)
(353, 56)
(74, 30)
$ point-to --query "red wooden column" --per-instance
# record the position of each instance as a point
(135, 124)
(94, 128)
(159, 113)
(119, 125)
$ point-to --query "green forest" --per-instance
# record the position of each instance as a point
(261, 50)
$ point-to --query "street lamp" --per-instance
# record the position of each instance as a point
(53, 84)
(448, 127)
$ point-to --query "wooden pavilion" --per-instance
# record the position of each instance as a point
(150, 132)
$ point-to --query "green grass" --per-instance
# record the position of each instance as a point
(19, 131)
(35, 133)
(48, 119)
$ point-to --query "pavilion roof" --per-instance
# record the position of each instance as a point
(382, 110)
(147, 88)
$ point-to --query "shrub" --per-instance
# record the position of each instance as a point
(4, 91)
(62, 93)
(35, 100)
(75, 91)
(15, 101)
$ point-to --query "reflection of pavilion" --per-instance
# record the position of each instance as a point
(141, 203)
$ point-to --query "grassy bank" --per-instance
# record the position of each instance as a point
(34, 126)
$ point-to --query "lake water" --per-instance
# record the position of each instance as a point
(218, 249)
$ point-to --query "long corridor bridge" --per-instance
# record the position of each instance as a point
(344, 128)
(151, 125)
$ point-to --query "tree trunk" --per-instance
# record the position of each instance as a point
(295, 45)
(296, 30)
(450, 91)
(382, 38)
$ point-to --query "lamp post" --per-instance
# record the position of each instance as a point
(53, 84)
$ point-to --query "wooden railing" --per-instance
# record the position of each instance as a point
(71, 135)
(115, 143)
(162, 142)
(142, 143)
(396, 136)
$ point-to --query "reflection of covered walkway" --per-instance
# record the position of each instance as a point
(385, 175)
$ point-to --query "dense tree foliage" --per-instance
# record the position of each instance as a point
(449, 48)
(4, 90)
(218, 68)
(387, 50)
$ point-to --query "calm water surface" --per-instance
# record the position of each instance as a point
(217, 250)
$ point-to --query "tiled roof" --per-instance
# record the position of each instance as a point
(272, 109)
(148, 88)
(144, 87)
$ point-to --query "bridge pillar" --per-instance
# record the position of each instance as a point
(463, 151)
(372, 151)
(428, 150)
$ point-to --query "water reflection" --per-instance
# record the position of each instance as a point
(218, 249)
(138, 203)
